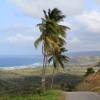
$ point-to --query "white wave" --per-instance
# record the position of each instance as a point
(22, 67)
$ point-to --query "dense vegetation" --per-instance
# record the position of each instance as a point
(89, 71)
(25, 84)
(49, 95)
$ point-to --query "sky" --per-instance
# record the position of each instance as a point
(19, 19)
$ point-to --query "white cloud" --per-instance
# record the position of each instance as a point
(74, 44)
(75, 40)
(35, 7)
(98, 1)
(19, 38)
(91, 21)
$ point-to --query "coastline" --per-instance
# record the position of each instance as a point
(20, 67)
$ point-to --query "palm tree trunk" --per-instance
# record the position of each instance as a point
(43, 75)
(52, 78)
(44, 69)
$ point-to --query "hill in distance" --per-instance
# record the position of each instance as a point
(84, 53)
(84, 58)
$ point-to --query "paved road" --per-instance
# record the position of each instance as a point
(82, 96)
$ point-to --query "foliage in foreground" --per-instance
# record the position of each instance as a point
(49, 95)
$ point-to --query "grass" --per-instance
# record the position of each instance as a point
(49, 95)
(28, 78)
(97, 89)
(71, 69)
(26, 81)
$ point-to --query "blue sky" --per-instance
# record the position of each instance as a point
(18, 20)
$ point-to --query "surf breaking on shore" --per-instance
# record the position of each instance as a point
(21, 67)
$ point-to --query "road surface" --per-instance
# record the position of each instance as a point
(82, 96)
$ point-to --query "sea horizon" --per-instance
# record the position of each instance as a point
(31, 61)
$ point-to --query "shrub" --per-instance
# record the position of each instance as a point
(39, 91)
(89, 71)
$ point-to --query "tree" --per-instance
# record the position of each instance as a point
(56, 54)
(58, 58)
(52, 36)
(89, 71)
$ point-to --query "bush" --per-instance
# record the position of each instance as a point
(67, 87)
(39, 91)
(89, 71)
(62, 86)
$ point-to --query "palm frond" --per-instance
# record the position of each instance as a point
(60, 62)
(64, 58)
(38, 41)
(45, 14)
(62, 49)
(56, 15)
(50, 59)
(52, 42)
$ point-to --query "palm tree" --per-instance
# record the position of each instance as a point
(58, 59)
(52, 36)
(56, 54)
(48, 39)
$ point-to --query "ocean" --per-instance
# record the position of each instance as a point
(20, 61)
